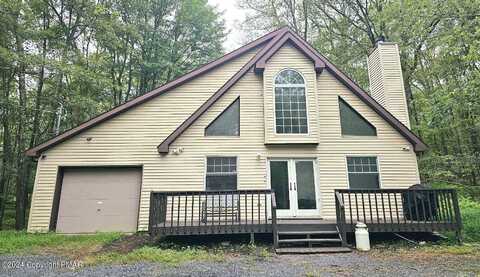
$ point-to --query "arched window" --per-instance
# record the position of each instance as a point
(290, 103)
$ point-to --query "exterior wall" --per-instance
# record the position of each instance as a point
(289, 57)
(131, 139)
(386, 80)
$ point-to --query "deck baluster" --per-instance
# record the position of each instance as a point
(363, 208)
(396, 207)
(222, 212)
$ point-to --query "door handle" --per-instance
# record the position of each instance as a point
(294, 185)
(290, 185)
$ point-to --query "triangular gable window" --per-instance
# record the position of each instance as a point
(227, 123)
(353, 123)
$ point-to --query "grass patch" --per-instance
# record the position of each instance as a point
(13, 242)
(167, 256)
(96, 248)
(431, 248)
(470, 211)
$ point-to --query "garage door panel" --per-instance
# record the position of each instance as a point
(72, 224)
(123, 206)
(116, 224)
(99, 200)
(99, 183)
(74, 207)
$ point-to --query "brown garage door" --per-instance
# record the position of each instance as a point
(99, 200)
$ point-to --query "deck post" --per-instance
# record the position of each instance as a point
(274, 220)
(151, 215)
(458, 218)
(252, 238)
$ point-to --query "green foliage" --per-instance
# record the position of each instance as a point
(156, 255)
(471, 219)
(13, 242)
(469, 201)
(65, 61)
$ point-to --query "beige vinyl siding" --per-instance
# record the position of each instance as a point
(376, 78)
(289, 57)
(387, 85)
(398, 168)
(131, 139)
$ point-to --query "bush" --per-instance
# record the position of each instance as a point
(469, 202)
(470, 211)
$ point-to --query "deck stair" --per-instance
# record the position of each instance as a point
(294, 237)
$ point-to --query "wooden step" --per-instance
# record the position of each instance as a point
(312, 250)
(308, 240)
(308, 232)
(306, 227)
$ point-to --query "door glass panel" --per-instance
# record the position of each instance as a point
(305, 185)
(279, 182)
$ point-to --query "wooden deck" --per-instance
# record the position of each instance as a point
(201, 228)
(254, 211)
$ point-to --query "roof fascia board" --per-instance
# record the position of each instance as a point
(38, 149)
(270, 49)
(260, 65)
(163, 147)
(419, 145)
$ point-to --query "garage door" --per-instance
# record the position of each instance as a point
(99, 200)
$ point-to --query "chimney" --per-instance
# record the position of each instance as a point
(386, 79)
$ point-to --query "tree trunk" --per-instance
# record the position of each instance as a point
(20, 138)
(6, 158)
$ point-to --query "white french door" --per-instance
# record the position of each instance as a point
(294, 183)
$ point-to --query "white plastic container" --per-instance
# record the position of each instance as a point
(362, 238)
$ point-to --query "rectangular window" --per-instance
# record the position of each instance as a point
(221, 173)
(363, 173)
(290, 110)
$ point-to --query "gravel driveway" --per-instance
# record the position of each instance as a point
(349, 264)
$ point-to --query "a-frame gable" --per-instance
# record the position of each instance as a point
(163, 148)
(259, 61)
(319, 65)
(38, 149)
(272, 42)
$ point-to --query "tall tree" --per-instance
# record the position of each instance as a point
(64, 61)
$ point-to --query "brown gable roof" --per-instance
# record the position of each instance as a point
(273, 41)
(163, 147)
(419, 145)
(320, 62)
(35, 151)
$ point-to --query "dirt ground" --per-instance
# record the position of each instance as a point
(240, 260)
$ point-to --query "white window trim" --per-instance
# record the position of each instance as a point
(216, 156)
(380, 185)
(306, 103)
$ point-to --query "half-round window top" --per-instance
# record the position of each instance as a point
(289, 77)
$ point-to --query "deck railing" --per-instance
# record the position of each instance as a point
(211, 212)
(341, 221)
(397, 210)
